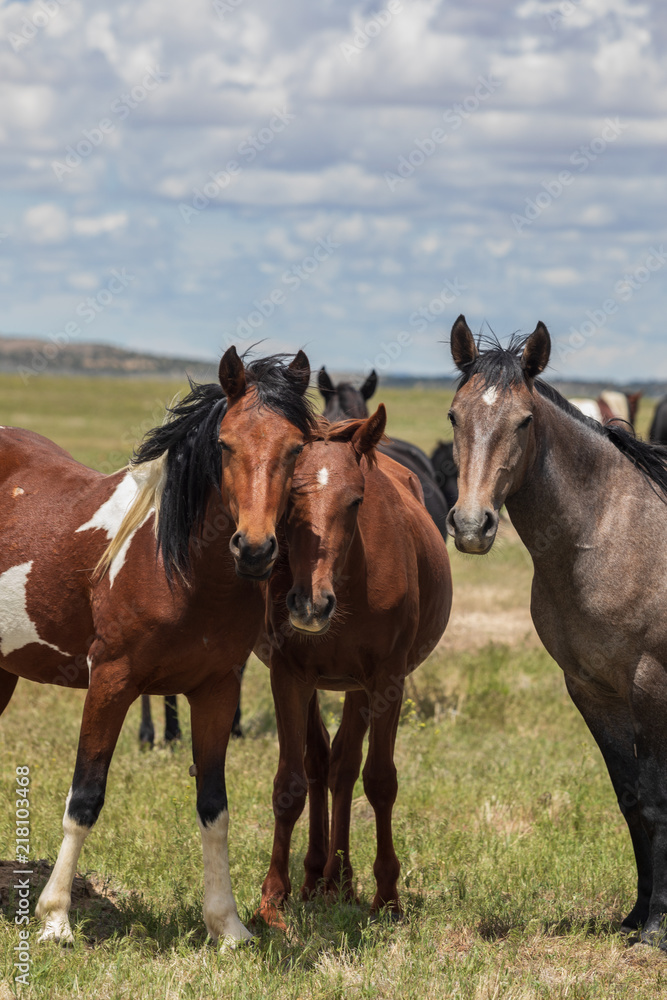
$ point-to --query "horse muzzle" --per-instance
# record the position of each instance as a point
(473, 531)
(309, 615)
(253, 561)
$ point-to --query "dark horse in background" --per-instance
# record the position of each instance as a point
(589, 501)
(658, 431)
(343, 402)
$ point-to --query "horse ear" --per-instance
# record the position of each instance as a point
(369, 435)
(535, 357)
(370, 385)
(232, 375)
(299, 369)
(324, 383)
(464, 348)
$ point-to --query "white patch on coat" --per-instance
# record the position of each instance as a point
(56, 899)
(490, 395)
(323, 476)
(17, 491)
(16, 627)
(589, 408)
(109, 516)
(220, 913)
(89, 661)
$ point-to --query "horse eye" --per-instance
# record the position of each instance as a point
(527, 420)
(356, 503)
(452, 418)
(295, 452)
(223, 445)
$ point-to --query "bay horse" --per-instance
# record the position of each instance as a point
(588, 501)
(343, 401)
(360, 602)
(147, 581)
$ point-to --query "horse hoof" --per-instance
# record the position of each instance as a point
(655, 933)
(58, 930)
(270, 915)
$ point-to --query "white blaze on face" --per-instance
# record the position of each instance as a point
(490, 395)
(323, 477)
(220, 913)
(16, 627)
(109, 516)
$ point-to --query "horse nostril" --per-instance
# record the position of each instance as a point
(490, 522)
(451, 521)
(330, 604)
(290, 600)
(273, 547)
(235, 543)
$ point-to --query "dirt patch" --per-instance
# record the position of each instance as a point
(475, 629)
(91, 892)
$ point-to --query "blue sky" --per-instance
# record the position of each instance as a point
(344, 176)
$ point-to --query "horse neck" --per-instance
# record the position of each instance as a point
(567, 491)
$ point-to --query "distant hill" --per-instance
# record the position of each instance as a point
(32, 355)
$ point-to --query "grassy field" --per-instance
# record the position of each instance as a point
(516, 865)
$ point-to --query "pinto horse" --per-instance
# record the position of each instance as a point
(343, 401)
(179, 612)
(361, 601)
(588, 501)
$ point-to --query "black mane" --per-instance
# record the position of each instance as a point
(501, 367)
(194, 458)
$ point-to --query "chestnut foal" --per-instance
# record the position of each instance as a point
(176, 614)
(363, 600)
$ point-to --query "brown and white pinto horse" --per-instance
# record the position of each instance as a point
(176, 614)
(362, 601)
(590, 503)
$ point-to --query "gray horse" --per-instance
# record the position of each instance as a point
(589, 502)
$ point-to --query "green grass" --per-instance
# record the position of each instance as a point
(516, 865)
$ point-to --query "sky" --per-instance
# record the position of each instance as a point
(340, 176)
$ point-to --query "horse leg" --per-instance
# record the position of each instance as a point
(649, 708)
(7, 686)
(611, 726)
(108, 699)
(381, 787)
(317, 773)
(289, 786)
(346, 755)
(146, 729)
(237, 732)
(212, 707)
(172, 730)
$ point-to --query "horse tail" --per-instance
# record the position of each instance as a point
(150, 478)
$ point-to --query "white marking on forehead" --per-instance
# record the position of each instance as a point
(16, 628)
(323, 476)
(109, 516)
(489, 396)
